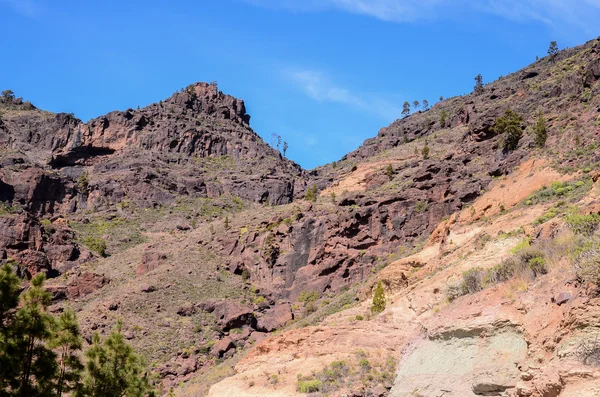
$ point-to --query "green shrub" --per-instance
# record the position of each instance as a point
(95, 244)
(421, 206)
(583, 224)
(309, 386)
(523, 244)
(537, 265)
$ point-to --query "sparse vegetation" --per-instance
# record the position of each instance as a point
(571, 190)
(425, 152)
(360, 372)
(526, 261)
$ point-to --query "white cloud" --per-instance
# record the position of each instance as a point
(321, 88)
(581, 14)
(24, 7)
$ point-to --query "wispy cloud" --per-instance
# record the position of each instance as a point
(581, 14)
(320, 87)
(26, 8)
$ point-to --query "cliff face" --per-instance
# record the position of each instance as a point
(181, 219)
(162, 151)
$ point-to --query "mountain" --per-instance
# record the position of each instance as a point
(477, 217)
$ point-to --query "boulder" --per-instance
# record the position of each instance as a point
(229, 314)
(275, 318)
(221, 347)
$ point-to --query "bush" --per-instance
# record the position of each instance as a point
(389, 171)
(309, 386)
(583, 224)
(502, 272)
(421, 206)
(587, 267)
(588, 351)
(454, 291)
(96, 244)
(472, 280)
(425, 152)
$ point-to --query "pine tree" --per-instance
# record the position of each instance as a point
(285, 147)
(478, 84)
(406, 109)
(510, 125)
(553, 50)
(425, 104)
(67, 341)
(37, 363)
(540, 131)
(9, 299)
(416, 104)
(114, 369)
(378, 304)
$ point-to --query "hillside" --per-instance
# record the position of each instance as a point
(180, 220)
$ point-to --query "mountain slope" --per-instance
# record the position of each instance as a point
(179, 219)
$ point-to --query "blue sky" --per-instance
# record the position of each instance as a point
(323, 74)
